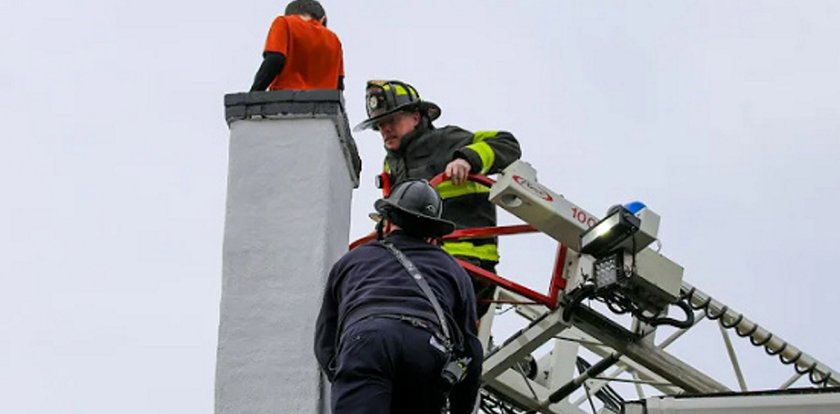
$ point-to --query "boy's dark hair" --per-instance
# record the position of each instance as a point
(310, 7)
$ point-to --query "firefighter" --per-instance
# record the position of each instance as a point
(417, 149)
(379, 338)
(300, 52)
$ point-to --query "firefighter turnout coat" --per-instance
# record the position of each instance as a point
(425, 152)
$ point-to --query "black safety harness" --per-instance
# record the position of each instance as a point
(455, 367)
(444, 334)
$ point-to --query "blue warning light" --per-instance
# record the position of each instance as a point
(635, 206)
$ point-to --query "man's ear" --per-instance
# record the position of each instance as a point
(323, 21)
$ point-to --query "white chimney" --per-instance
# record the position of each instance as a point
(292, 169)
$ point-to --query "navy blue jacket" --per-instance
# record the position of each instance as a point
(370, 280)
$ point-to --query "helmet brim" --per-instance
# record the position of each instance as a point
(432, 226)
(429, 108)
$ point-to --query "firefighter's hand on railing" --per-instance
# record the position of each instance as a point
(477, 178)
(457, 170)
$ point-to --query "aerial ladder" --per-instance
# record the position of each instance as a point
(601, 338)
(639, 293)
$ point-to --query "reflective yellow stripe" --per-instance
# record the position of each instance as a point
(484, 151)
(481, 136)
(400, 90)
(386, 167)
(386, 87)
(488, 157)
(465, 248)
(447, 190)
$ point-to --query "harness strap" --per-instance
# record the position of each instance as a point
(424, 286)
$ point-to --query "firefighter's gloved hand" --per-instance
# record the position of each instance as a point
(458, 170)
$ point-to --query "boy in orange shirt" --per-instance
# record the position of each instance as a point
(300, 52)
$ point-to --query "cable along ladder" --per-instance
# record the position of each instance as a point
(567, 331)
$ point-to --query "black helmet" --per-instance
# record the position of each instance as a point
(384, 98)
(417, 208)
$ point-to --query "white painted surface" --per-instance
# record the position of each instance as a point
(287, 221)
(810, 403)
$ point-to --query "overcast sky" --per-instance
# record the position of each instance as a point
(723, 117)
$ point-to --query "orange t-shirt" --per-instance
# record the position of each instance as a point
(313, 54)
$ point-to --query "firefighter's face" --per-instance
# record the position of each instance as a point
(394, 128)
